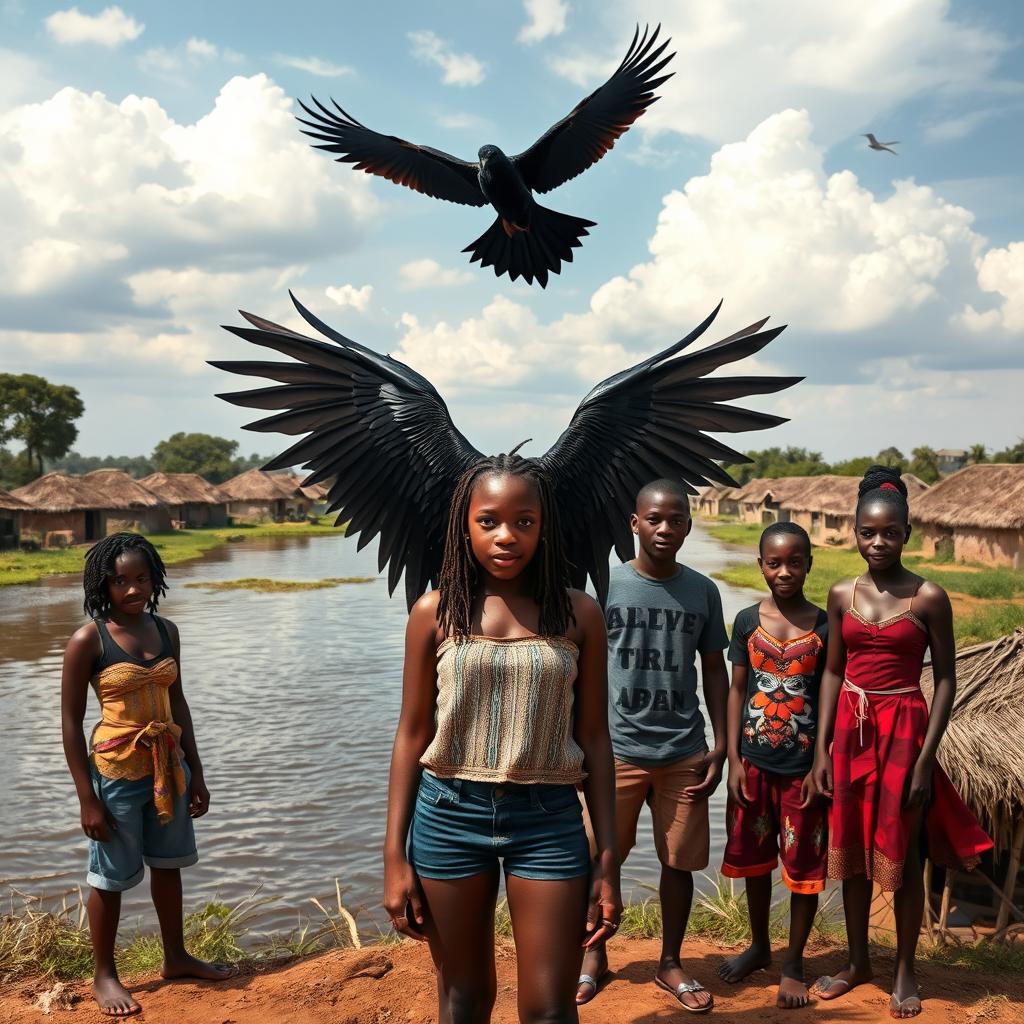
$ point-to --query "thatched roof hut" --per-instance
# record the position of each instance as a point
(256, 485)
(983, 749)
(976, 515)
(74, 509)
(183, 489)
(100, 489)
(982, 752)
(257, 494)
(9, 503)
(719, 500)
(11, 509)
(193, 501)
(761, 499)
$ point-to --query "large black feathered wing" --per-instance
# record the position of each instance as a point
(594, 125)
(645, 423)
(422, 168)
(373, 426)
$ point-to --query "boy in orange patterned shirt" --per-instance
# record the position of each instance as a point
(778, 657)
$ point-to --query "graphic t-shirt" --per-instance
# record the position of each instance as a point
(780, 716)
(656, 629)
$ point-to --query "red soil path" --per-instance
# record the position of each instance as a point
(395, 984)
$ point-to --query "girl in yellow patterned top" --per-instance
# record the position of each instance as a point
(139, 780)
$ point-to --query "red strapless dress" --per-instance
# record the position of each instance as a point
(880, 726)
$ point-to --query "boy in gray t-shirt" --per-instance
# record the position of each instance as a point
(660, 616)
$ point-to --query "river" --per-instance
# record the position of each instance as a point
(294, 696)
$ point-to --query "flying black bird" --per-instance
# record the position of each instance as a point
(873, 143)
(381, 432)
(526, 239)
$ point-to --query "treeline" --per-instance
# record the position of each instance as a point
(923, 462)
(37, 430)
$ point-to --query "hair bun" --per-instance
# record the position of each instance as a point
(882, 477)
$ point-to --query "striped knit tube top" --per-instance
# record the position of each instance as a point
(505, 711)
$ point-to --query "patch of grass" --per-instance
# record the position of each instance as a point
(994, 957)
(177, 546)
(745, 534)
(267, 586)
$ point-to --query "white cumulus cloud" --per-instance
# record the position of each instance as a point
(546, 18)
(458, 68)
(111, 27)
(125, 223)
(428, 273)
(738, 61)
(1000, 272)
(349, 295)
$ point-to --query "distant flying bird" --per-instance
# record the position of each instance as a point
(526, 239)
(873, 143)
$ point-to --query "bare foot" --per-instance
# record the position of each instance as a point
(113, 998)
(736, 968)
(832, 987)
(595, 965)
(186, 966)
(792, 994)
(671, 975)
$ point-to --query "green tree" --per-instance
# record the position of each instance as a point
(246, 462)
(134, 465)
(775, 462)
(892, 457)
(40, 415)
(1015, 453)
(978, 453)
(924, 463)
(852, 467)
(209, 456)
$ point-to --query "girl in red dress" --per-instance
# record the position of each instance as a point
(892, 804)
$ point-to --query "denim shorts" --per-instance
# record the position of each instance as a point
(139, 837)
(462, 828)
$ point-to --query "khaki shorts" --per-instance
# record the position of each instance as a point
(682, 833)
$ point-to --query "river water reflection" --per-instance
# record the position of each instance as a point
(295, 697)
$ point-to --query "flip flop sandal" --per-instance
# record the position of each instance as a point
(826, 983)
(595, 983)
(681, 990)
(896, 1007)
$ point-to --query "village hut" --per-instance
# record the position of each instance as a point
(983, 756)
(826, 505)
(66, 509)
(259, 496)
(975, 515)
(11, 509)
(192, 501)
(761, 500)
(719, 500)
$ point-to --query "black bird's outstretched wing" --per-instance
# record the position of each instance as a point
(430, 171)
(375, 427)
(645, 423)
(592, 127)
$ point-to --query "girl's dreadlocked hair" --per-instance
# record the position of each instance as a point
(99, 567)
(457, 584)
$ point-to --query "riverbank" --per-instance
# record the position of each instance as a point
(988, 602)
(396, 983)
(179, 546)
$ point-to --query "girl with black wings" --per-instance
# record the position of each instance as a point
(505, 693)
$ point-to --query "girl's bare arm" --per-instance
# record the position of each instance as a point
(415, 731)
(199, 797)
(591, 732)
(79, 657)
(831, 681)
(938, 614)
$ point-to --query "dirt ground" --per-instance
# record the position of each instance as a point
(395, 984)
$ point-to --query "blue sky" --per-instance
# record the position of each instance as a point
(153, 181)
